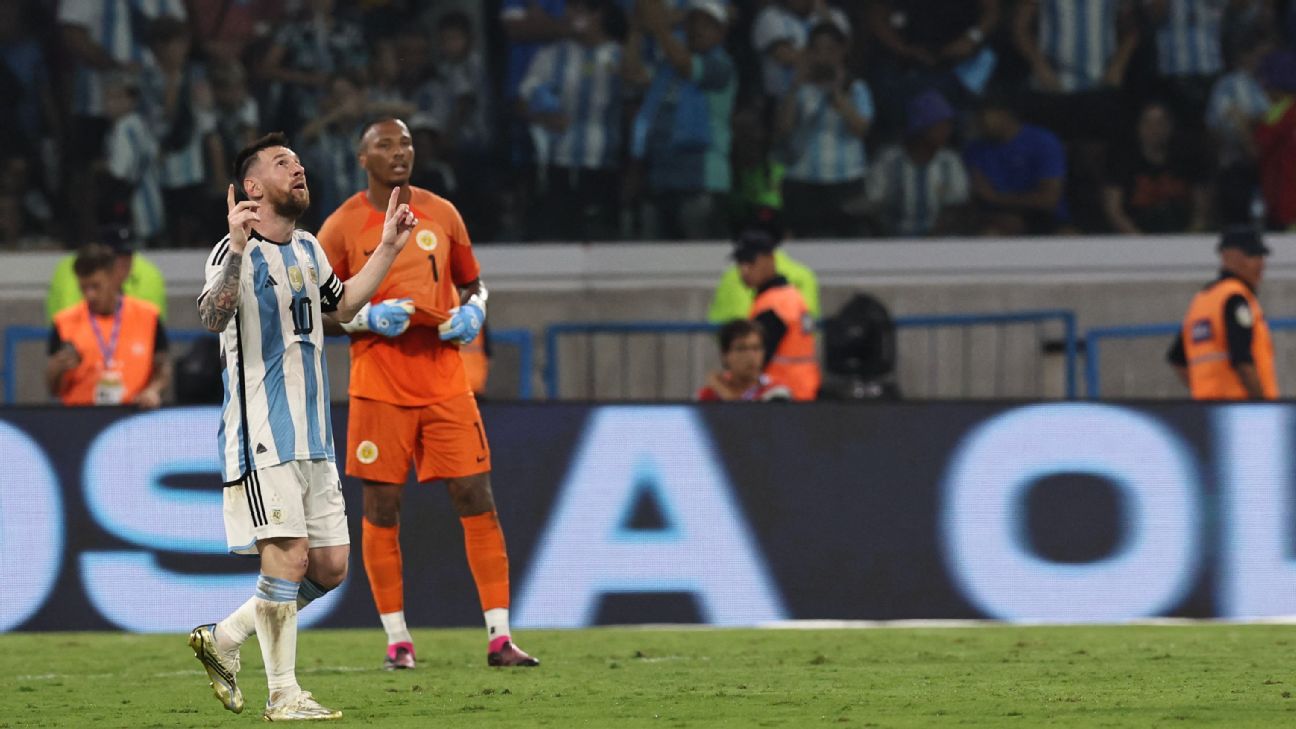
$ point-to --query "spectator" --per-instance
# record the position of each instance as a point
(1189, 54)
(462, 72)
(1275, 138)
(823, 120)
(137, 276)
(780, 34)
(1018, 172)
(572, 95)
(25, 81)
(111, 349)
(177, 101)
(1157, 186)
(465, 105)
(758, 172)
(305, 54)
(1237, 104)
(931, 44)
(919, 188)
(384, 75)
(130, 178)
(788, 326)
(742, 357)
(102, 38)
(681, 133)
(528, 26)
(236, 122)
(329, 146)
(1078, 52)
(733, 300)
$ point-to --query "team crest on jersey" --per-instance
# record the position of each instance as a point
(276, 516)
(426, 240)
(310, 273)
(367, 452)
(295, 278)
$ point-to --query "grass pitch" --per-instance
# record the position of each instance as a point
(1138, 676)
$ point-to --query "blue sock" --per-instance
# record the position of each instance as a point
(274, 589)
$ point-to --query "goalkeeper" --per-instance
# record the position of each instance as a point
(410, 398)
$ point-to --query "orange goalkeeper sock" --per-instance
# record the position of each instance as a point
(382, 560)
(487, 558)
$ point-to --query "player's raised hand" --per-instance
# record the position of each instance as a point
(400, 221)
(241, 217)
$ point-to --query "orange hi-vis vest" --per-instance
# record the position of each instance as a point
(795, 362)
(1210, 373)
(116, 357)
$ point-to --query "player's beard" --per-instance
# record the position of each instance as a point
(292, 206)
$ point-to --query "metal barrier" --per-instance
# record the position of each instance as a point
(661, 329)
(1094, 338)
(17, 335)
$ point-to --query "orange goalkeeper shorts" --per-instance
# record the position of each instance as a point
(445, 440)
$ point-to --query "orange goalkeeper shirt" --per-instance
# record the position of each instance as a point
(415, 368)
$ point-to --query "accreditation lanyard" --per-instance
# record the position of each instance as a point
(108, 349)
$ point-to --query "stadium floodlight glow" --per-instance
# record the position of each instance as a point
(983, 517)
(31, 527)
(124, 491)
(1257, 576)
(588, 550)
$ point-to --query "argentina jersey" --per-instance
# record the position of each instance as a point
(276, 403)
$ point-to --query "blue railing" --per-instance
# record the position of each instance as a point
(1067, 318)
(17, 335)
(1093, 340)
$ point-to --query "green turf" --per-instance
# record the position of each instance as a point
(1209, 675)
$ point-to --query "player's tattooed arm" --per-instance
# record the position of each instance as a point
(220, 303)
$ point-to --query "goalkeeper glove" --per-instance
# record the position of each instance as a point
(388, 318)
(465, 321)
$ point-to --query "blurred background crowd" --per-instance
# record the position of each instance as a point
(578, 120)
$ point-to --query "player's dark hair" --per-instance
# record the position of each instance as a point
(373, 122)
(248, 154)
(456, 20)
(737, 329)
(94, 258)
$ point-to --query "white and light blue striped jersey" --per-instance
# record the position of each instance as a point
(1079, 38)
(1236, 102)
(116, 26)
(276, 405)
(822, 149)
(132, 155)
(1188, 39)
(911, 197)
(185, 166)
(586, 82)
(777, 24)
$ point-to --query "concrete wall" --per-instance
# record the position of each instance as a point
(1106, 281)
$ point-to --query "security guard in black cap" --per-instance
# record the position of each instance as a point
(790, 352)
(1224, 351)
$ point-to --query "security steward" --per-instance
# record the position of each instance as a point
(790, 355)
(1224, 351)
(109, 349)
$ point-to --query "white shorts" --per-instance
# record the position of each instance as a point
(292, 499)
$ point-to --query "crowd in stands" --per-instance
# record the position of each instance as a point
(630, 119)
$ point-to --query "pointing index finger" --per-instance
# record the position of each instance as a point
(392, 201)
(229, 197)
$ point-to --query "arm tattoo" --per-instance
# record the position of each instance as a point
(221, 302)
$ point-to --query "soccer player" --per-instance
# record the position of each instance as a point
(268, 285)
(410, 398)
